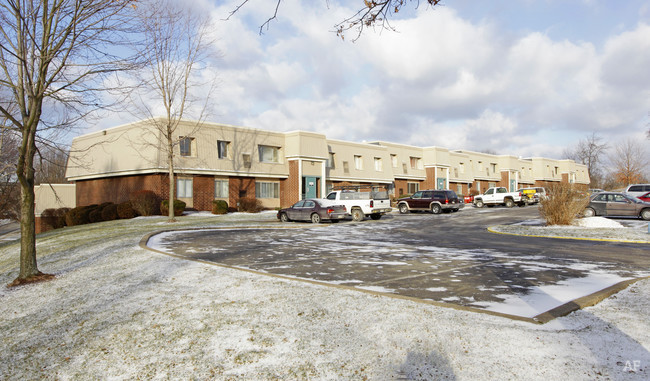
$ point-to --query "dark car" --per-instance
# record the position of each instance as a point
(617, 204)
(435, 201)
(645, 197)
(312, 210)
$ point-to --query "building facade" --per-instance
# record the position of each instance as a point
(279, 168)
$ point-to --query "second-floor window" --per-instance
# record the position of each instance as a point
(269, 154)
(331, 163)
(416, 163)
(186, 146)
(358, 162)
(222, 148)
(378, 164)
(393, 160)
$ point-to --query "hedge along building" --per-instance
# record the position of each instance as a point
(230, 163)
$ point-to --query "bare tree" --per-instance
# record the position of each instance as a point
(629, 162)
(53, 57)
(372, 14)
(176, 38)
(590, 152)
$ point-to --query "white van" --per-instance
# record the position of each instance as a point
(637, 190)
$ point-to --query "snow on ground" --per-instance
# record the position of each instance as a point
(603, 228)
(117, 311)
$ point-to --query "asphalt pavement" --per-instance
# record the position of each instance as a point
(440, 259)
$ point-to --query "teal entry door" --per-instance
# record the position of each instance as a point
(513, 185)
(441, 183)
(309, 186)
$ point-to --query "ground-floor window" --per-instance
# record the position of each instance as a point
(221, 188)
(267, 189)
(413, 187)
(184, 188)
(459, 189)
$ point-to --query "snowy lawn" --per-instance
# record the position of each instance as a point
(118, 311)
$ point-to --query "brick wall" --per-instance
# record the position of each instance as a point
(119, 189)
(240, 187)
(203, 192)
(430, 181)
(401, 187)
(290, 188)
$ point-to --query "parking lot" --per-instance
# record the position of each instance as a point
(447, 258)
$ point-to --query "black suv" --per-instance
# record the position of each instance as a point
(434, 200)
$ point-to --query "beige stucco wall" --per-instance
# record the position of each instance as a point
(403, 154)
(346, 152)
(54, 196)
(136, 148)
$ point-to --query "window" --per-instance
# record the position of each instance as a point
(346, 167)
(413, 187)
(378, 164)
(186, 146)
(267, 190)
(221, 189)
(461, 167)
(246, 158)
(416, 163)
(358, 162)
(494, 167)
(269, 154)
(456, 172)
(393, 160)
(331, 163)
(222, 148)
(459, 189)
(184, 188)
(405, 168)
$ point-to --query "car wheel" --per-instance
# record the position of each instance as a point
(436, 209)
(479, 203)
(645, 214)
(357, 215)
(509, 203)
(403, 208)
(589, 212)
(284, 217)
(315, 218)
(375, 216)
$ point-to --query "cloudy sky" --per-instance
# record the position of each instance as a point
(521, 77)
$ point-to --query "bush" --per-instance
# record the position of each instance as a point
(109, 212)
(179, 207)
(78, 215)
(125, 211)
(219, 207)
(562, 204)
(54, 218)
(95, 215)
(145, 203)
(250, 205)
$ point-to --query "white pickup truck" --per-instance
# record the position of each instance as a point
(499, 196)
(358, 204)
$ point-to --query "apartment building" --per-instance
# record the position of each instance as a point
(226, 162)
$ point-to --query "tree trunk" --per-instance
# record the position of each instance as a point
(28, 266)
(25, 172)
(170, 159)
